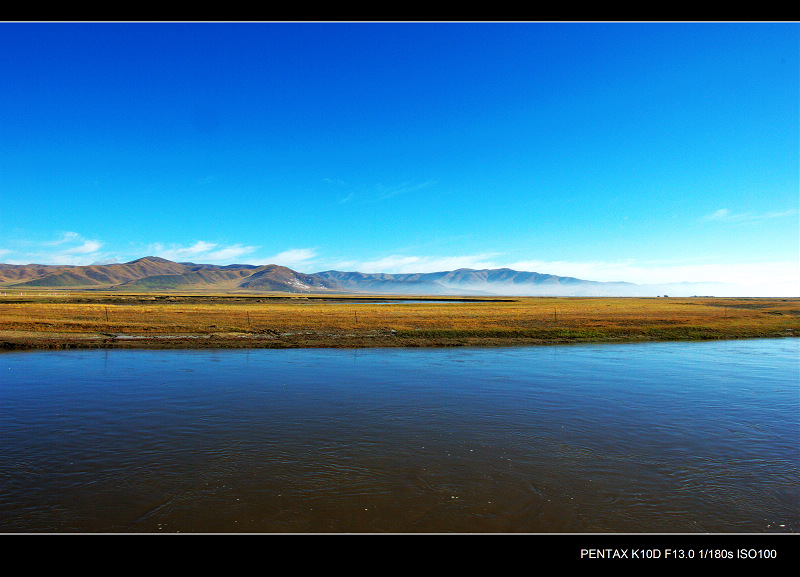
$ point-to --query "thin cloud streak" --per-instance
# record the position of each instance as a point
(229, 253)
(383, 193)
(380, 192)
(725, 215)
(403, 189)
(399, 264)
(294, 257)
(88, 247)
(66, 237)
(208, 252)
(69, 249)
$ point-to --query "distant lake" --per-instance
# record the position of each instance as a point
(639, 438)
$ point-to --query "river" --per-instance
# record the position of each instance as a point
(634, 438)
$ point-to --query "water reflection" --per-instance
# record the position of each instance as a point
(669, 437)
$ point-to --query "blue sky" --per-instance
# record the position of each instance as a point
(641, 152)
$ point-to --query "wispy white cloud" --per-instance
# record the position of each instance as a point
(70, 248)
(347, 198)
(177, 252)
(725, 215)
(385, 193)
(65, 237)
(721, 214)
(338, 185)
(377, 193)
(208, 252)
(87, 247)
(228, 253)
(400, 264)
(294, 257)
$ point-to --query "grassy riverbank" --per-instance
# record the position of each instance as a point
(110, 320)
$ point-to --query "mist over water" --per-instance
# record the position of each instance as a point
(656, 437)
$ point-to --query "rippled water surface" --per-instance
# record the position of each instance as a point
(659, 437)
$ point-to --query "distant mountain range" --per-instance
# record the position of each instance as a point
(154, 274)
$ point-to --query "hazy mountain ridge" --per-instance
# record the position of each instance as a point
(503, 281)
(158, 274)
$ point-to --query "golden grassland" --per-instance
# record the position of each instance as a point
(110, 320)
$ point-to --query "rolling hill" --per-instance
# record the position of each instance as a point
(39, 276)
(158, 274)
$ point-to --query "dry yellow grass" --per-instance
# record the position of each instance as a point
(353, 322)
